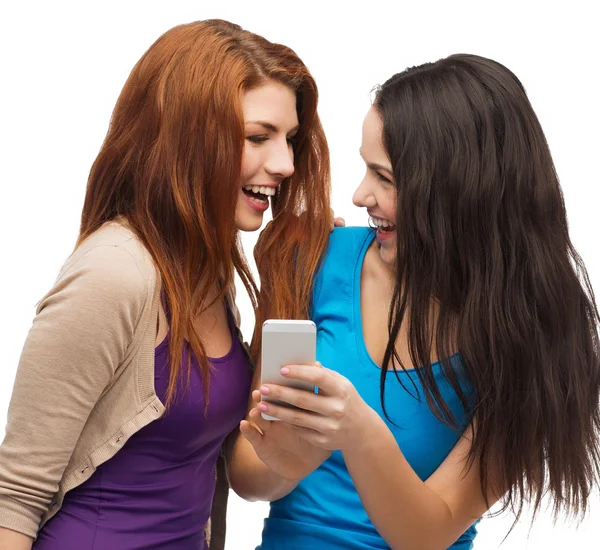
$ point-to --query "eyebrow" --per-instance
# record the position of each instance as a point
(375, 166)
(271, 127)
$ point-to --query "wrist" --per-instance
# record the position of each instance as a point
(278, 486)
(364, 431)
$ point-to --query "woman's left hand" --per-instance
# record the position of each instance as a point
(336, 418)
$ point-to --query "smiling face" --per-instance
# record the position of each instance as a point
(377, 191)
(271, 123)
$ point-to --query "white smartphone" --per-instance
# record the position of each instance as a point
(286, 342)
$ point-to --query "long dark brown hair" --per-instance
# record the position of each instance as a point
(170, 166)
(482, 231)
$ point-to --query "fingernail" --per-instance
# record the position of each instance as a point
(262, 407)
(264, 390)
(284, 371)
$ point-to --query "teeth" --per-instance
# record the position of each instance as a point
(269, 191)
(380, 222)
(256, 199)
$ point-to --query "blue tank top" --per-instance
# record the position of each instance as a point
(325, 511)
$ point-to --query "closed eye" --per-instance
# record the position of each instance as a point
(382, 178)
(377, 169)
(257, 139)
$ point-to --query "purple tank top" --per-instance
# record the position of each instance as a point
(156, 492)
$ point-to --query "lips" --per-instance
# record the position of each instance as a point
(256, 201)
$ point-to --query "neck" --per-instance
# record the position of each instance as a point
(383, 270)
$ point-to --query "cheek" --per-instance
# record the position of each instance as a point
(386, 200)
(250, 163)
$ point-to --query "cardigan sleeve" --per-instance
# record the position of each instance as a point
(78, 339)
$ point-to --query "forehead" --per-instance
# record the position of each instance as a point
(372, 147)
(271, 102)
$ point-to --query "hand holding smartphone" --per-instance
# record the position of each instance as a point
(286, 342)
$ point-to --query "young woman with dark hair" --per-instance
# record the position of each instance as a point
(133, 380)
(460, 337)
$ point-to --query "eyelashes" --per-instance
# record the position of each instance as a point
(382, 178)
(292, 140)
(257, 139)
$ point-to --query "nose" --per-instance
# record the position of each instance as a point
(280, 160)
(363, 196)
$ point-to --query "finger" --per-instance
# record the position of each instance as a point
(296, 417)
(319, 391)
(302, 399)
(256, 427)
(256, 396)
(256, 418)
(339, 222)
(251, 432)
(316, 375)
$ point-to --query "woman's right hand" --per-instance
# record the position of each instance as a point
(279, 446)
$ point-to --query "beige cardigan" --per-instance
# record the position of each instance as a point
(85, 381)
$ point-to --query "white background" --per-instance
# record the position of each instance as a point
(63, 65)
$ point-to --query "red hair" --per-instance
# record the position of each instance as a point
(170, 166)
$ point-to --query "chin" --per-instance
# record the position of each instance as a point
(388, 255)
(390, 262)
(248, 224)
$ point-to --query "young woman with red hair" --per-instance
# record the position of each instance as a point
(133, 381)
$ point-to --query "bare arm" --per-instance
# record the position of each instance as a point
(409, 513)
(289, 457)
(251, 479)
(11, 540)
(248, 475)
